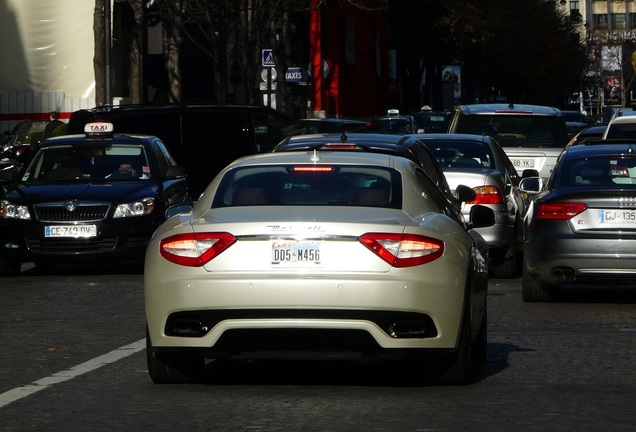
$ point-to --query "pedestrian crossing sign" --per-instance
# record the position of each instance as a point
(267, 58)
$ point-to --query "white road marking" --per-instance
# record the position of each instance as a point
(44, 383)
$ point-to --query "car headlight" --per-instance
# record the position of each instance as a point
(14, 211)
(137, 208)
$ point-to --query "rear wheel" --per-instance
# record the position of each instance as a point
(509, 265)
(480, 346)
(457, 368)
(173, 368)
(531, 291)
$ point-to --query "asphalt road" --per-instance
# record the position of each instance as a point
(72, 358)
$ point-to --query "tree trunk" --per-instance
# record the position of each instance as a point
(98, 59)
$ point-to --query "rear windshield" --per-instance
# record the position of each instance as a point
(517, 130)
(599, 172)
(320, 185)
(462, 154)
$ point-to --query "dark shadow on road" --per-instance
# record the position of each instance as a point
(405, 373)
(579, 293)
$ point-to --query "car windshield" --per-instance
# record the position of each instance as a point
(73, 162)
(599, 171)
(516, 130)
(318, 185)
(462, 154)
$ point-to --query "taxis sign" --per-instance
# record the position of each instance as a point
(295, 74)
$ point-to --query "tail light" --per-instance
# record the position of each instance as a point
(560, 211)
(195, 249)
(487, 195)
(403, 250)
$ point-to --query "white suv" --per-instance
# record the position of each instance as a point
(532, 136)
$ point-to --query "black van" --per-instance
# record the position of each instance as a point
(202, 138)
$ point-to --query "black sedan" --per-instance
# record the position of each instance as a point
(581, 227)
(92, 198)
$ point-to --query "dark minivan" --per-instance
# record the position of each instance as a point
(202, 138)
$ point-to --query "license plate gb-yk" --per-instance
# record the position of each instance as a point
(70, 231)
(522, 163)
(295, 253)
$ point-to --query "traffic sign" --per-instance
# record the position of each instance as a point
(294, 74)
(267, 58)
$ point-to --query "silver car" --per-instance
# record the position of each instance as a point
(479, 162)
(325, 255)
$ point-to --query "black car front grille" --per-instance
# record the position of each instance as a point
(71, 245)
(71, 211)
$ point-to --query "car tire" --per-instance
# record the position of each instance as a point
(480, 346)
(508, 266)
(173, 368)
(457, 368)
(10, 267)
(531, 291)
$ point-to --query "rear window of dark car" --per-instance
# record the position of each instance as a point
(515, 130)
(603, 171)
(293, 185)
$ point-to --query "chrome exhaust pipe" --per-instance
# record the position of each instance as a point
(408, 329)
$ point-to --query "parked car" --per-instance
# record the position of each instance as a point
(92, 198)
(479, 162)
(321, 255)
(532, 136)
(203, 138)
(579, 227)
(398, 145)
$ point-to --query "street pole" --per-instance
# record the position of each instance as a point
(107, 51)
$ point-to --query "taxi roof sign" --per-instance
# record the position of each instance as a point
(99, 129)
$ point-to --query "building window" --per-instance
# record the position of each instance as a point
(575, 14)
(618, 21)
(600, 20)
(631, 20)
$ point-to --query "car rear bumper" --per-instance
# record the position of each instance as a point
(584, 260)
(365, 307)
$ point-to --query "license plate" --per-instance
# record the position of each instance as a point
(70, 231)
(523, 163)
(295, 253)
(617, 216)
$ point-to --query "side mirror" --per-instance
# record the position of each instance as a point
(531, 185)
(176, 172)
(465, 194)
(481, 216)
(530, 173)
(178, 209)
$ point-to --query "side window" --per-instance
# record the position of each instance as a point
(162, 157)
(213, 128)
(162, 125)
(434, 195)
(267, 130)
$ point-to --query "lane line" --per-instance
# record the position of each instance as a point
(59, 377)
